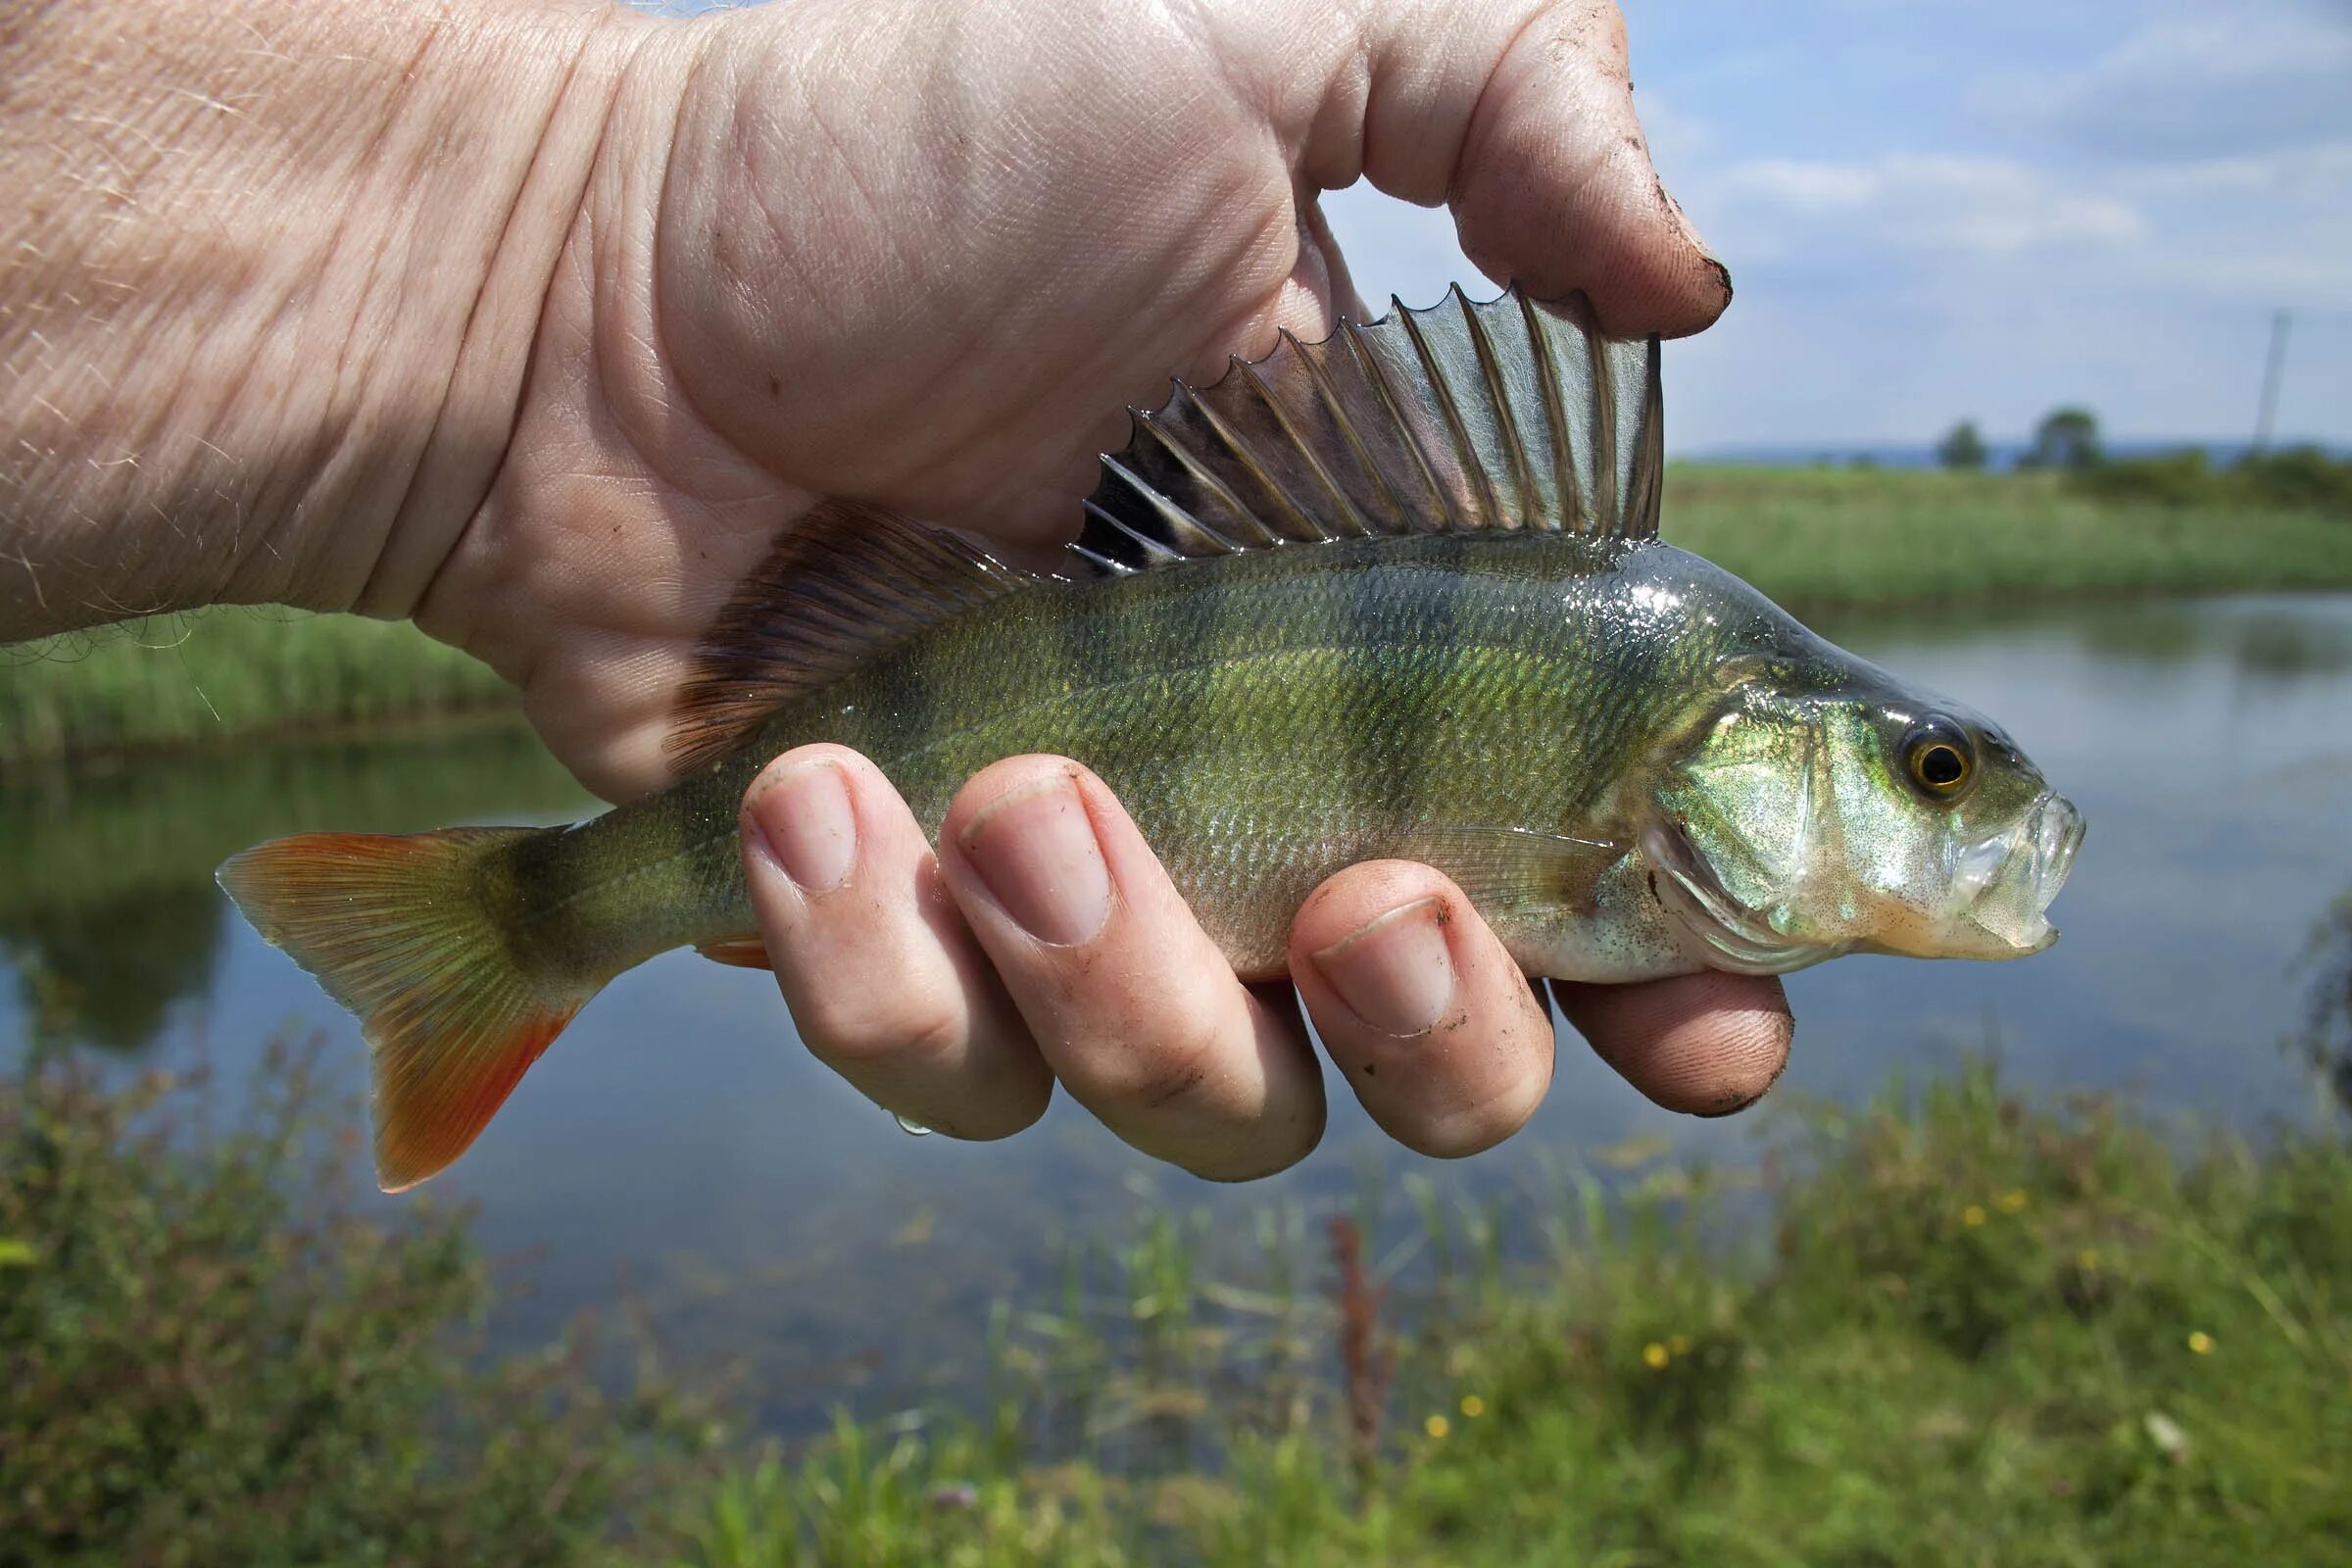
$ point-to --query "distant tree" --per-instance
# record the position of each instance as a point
(2066, 438)
(1962, 447)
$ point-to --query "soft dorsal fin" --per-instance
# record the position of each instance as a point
(846, 582)
(1506, 415)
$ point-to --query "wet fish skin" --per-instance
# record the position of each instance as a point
(1266, 718)
(1399, 594)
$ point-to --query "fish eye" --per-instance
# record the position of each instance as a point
(1940, 758)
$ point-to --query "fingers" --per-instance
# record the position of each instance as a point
(883, 980)
(1524, 125)
(1708, 1044)
(1135, 1009)
(1428, 1017)
(1046, 940)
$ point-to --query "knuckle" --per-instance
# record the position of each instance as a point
(1147, 1068)
(857, 1028)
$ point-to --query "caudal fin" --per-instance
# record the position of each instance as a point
(399, 930)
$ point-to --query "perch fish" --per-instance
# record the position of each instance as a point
(1400, 593)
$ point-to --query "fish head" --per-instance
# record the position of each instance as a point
(1810, 817)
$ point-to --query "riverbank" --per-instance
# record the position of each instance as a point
(1950, 1327)
(1815, 539)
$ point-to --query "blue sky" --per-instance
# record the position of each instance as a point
(1938, 211)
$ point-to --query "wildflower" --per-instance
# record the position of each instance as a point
(2088, 1260)
(2012, 1200)
(2200, 1343)
(1655, 1356)
(1679, 1344)
(1437, 1426)
(1973, 1215)
(1473, 1407)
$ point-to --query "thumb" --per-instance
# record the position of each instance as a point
(1520, 116)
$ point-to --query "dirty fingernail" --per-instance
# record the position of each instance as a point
(808, 824)
(1396, 971)
(1036, 851)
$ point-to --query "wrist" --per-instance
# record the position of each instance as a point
(274, 272)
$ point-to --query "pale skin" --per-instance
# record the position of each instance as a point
(535, 322)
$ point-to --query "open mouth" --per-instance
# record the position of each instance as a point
(2006, 883)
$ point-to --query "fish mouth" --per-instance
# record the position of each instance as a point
(2004, 884)
(1711, 925)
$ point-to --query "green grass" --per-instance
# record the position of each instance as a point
(229, 674)
(1817, 538)
(1844, 538)
(1955, 1328)
(1970, 1331)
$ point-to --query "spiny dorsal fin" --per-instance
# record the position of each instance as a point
(842, 584)
(1506, 415)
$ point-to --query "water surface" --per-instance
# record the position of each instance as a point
(679, 1145)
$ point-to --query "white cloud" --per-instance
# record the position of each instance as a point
(2222, 79)
(1938, 202)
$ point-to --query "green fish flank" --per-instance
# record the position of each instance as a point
(1399, 594)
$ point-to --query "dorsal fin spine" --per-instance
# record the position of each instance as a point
(1332, 490)
(1328, 396)
(1440, 507)
(1149, 545)
(1180, 522)
(1265, 477)
(1607, 508)
(1207, 477)
(1529, 513)
(1650, 465)
(1482, 498)
(1568, 490)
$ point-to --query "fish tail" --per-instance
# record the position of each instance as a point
(405, 931)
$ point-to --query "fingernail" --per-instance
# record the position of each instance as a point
(1396, 971)
(808, 824)
(1036, 851)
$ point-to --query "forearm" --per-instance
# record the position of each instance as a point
(269, 275)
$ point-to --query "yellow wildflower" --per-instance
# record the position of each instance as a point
(1473, 1407)
(2088, 1260)
(2200, 1343)
(1655, 1356)
(1679, 1344)
(1437, 1426)
(1973, 1215)
(2012, 1200)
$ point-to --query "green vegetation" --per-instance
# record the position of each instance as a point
(1813, 538)
(2302, 478)
(1834, 538)
(207, 1358)
(229, 674)
(1964, 1331)
(1962, 447)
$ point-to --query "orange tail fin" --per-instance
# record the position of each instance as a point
(398, 929)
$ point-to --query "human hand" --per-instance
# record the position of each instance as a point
(555, 397)
(922, 256)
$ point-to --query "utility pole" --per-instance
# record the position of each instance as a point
(2270, 372)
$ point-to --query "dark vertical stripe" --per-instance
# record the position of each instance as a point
(1429, 610)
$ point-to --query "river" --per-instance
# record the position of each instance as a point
(677, 1148)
